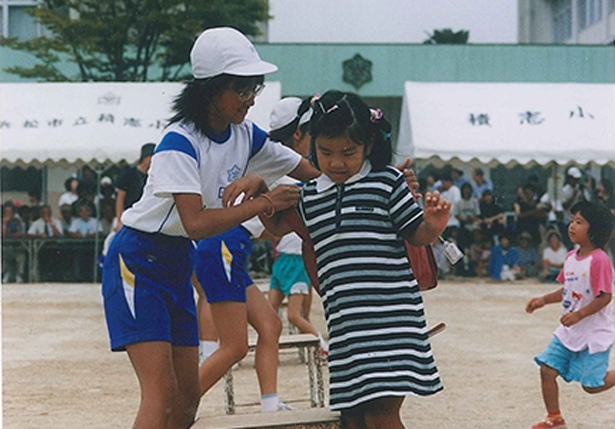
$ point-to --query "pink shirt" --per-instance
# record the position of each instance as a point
(584, 279)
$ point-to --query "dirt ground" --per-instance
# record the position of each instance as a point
(58, 371)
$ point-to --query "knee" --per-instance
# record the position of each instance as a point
(272, 330)
(236, 352)
(547, 373)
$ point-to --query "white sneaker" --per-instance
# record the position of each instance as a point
(283, 406)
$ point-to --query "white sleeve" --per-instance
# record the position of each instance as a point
(175, 167)
(273, 161)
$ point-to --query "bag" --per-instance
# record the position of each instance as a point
(424, 265)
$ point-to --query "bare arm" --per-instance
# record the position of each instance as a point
(305, 171)
(593, 307)
(539, 302)
(435, 216)
(119, 207)
(200, 222)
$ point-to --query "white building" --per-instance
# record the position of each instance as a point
(583, 22)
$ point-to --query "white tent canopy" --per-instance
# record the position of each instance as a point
(508, 123)
(59, 124)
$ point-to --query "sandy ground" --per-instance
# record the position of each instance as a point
(59, 373)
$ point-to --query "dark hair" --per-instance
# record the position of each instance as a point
(600, 221)
(192, 104)
(68, 182)
(338, 114)
(283, 134)
(608, 186)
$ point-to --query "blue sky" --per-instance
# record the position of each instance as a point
(390, 21)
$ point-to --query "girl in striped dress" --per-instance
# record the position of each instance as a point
(358, 214)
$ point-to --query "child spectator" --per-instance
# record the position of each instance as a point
(581, 344)
(491, 215)
(467, 212)
(553, 257)
(504, 260)
(13, 257)
(527, 256)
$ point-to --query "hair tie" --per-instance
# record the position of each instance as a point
(375, 115)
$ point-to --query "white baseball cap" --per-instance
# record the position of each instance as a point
(574, 172)
(285, 111)
(226, 50)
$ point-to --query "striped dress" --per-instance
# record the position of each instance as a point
(374, 311)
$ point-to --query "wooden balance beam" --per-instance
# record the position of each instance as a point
(314, 418)
(311, 343)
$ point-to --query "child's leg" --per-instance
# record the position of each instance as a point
(307, 304)
(295, 316)
(550, 390)
(269, 327)
(384, 413)
(353, 419)
(208, 334)
(185, 364)
(230, 318)
(609, 381)
(153, 364)
(275, 297)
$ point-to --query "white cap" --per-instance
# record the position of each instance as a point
(106, 181)
(574, 172)
(226, 50)
(285, 112)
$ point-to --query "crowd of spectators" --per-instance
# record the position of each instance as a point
(532, 246)
(531, 243)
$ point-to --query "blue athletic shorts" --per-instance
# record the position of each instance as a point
(147, 291)
(588, 369)
(289, 275)
(222, 265)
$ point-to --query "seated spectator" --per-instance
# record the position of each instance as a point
(13, 257)
(527, 256)
(444, 266)
(46, 225)
(553, 257)
(491, 217)
(87, 195)
(504, 260)
(49, 255)
(452, 194)
(459, 179)
(107, 216)
(529, 215)
(481, 184)
(479, 254)
(84, 226)
(467, 213)
(66, 217)
(71, 195)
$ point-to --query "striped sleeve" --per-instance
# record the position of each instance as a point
(405, 213)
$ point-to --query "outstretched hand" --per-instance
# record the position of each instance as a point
(409, 176)
(251, 185)
(284, 196)
(437, 211)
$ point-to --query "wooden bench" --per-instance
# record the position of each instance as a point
(314, 362)
(314, 418)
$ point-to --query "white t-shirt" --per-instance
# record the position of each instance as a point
(39, 226)
(185, 161)
(67, 198)
(555, 257)
(453, 195)
(84, 227)
(584, 279)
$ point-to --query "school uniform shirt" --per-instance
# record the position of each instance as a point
(374, 310)
(39, 226)
(186, 161)
(584, 279)
(84, 227)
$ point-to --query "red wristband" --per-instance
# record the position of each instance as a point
(272, 212)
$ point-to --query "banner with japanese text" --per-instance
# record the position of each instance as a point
(76, 123)
(509, 122)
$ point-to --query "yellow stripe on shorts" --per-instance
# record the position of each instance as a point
(227, 259)
(126, 274)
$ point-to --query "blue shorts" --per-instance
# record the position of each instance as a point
(222, 265)
(588, 369)
(289, 275)
(146, 290)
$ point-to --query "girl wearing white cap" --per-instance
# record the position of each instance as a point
(197, 172)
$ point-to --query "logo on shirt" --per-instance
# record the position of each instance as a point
(233, 173)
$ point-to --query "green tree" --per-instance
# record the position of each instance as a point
(447, 36)
(120, 40)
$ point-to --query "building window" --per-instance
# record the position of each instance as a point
(16, 22)
(562, 20)
(590, 12)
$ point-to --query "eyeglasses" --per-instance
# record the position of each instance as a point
(246, 94)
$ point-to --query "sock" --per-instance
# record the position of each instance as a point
(207, 348)
(554, 415)
(269, 403)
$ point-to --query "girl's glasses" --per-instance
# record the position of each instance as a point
(246, 94)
